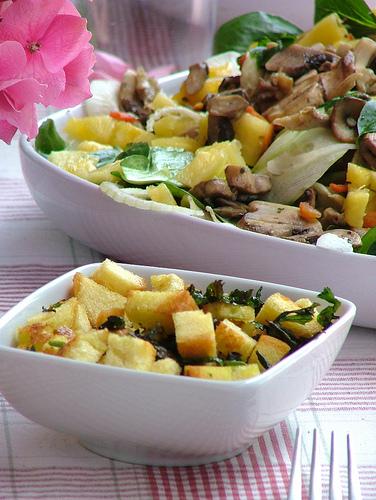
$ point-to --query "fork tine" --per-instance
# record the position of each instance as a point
(315, 478)
(352, 474)
(295, 487)
(335, 488)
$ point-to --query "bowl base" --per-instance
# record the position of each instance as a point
(143, 456)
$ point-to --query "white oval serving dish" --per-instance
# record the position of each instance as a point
(156, 419)
(80, 209)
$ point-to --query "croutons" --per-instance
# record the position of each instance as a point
(167, 365)
(274, 305)
(149, 309)
(271, 349)
(245, 371)
(118, 279)
(195, 336)
(129, 352)
(88, 347)
(230, 338)
(98, 301)
(233, 312)
(166, 283)
(210, 372)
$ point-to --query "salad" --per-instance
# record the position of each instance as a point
(276, 134)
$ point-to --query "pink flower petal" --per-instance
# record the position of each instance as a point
(63, 41)
(109, 66)
(24, 119)
(162, 71)
(55, 82)
(24, 92)
(77, 87)
(7, 131)
(69, 9)
(12, 60)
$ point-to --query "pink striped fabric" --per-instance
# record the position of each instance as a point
(38, 463)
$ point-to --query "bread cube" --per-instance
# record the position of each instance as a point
(81, 321)
(118, 279)
(271, 349)
(33, 336)
(149, 309)
(275, 305)
(167, 365)
(309, 329)
(130, 352)
(209, 372)
(230, 338)
(166, 283)
(251, 328)
(245, 371)
(195, 336)
(64, 315)
(88, 347)
(98, 301)
(233, 312)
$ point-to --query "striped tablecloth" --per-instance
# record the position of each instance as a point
(36, 462)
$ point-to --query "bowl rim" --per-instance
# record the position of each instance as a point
(27, 147)
(347, 315)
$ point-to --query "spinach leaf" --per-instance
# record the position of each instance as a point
(113, 323)
(239, 33)
(214, 291)
(275, 330)
(48, 138)
(135, 148)
(197, 295)
(327, 315)
(300, 316)
(105, 156)
(367, 118)
(355, 13)
(369, 242)
(262, 360)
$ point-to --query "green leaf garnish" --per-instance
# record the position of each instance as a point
(113, 323)
(53, 307)
(327, 315)
(48, 138)
(367, 118)
(263, 361)
(368, 243)
(57, 343)
(136, 148)
(105, 156)
(275, 330)
(266, 48)
(239, 33)
(300, 316)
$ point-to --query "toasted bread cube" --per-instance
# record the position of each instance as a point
(167, 365)
(34, 336)
(274, 305)
(209, 372)
(243, 372)
(230, 338)
(309, 329)
(233, 312)
(271, 349)
(195, 336)
(166, 283)
(130, 352)
(251, 328)
(89, 346)
(64, 315)
(118, 279)
(149, 309)
(98, 302)
(81, 321)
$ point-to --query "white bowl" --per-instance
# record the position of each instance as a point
(79, 208)
(156, 419)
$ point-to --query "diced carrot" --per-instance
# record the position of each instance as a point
(338, 188)
(370, 219)
(307, 212)
(123, 117)
(198, 106)
(241, 59)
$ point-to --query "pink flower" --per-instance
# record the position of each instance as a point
(17, 94)
(51, 40)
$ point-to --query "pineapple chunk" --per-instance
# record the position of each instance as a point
(195, 336)
(358, 176)
(328, 31)
(233, 312)
(88, 347)
(355, 207)
(149, 309)
(255, 134)
(211, 86)
(186, 143)
(230, 338)
(161, 194)
(167, 365)
(243, 372)
(129, 352)
(274, 305)
(209, 372)
(210, 162)
(161, 100)
(167, 283)
(117, 278)
(104, 173)
(92, 146)
(98, 302)
(272, 350)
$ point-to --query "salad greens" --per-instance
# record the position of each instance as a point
(327, 315)
(367, 118)
(105, 156)
(369, 242)
(48, 138)
(356, 14)
(239, 33)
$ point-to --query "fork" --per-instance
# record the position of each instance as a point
(315, 488)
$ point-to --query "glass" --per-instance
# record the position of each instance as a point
(152, 33)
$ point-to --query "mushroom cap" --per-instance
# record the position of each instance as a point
(344, 117)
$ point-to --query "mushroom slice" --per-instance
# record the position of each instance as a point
(231, 209)
(197, 76)
(219, 129)
(341, 78)
(228, 106)
(229, 83)
(242, 179)
(326, 199)
(367, 149)
(250, 76)
(344, 118)
(308, 117)
(364, 52)
(212, 189)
